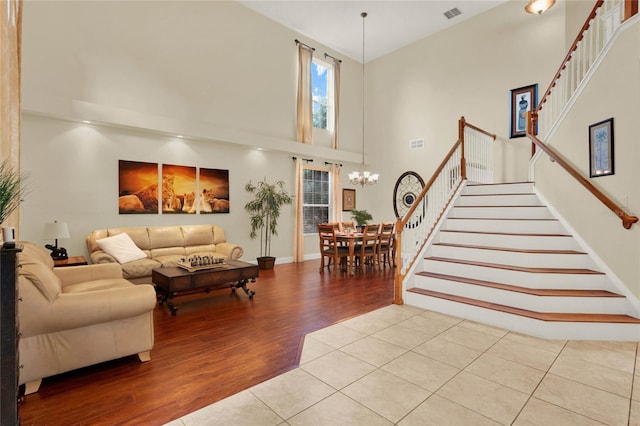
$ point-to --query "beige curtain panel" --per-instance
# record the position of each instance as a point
(304, 132)
(336, 193)
(336, 101)
(298, 232)
(10, 68)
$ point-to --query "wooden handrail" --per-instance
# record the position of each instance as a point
(627, 220)
(401, 222)
(572, 49)
(428, 185)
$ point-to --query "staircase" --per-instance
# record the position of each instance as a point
(501, 258)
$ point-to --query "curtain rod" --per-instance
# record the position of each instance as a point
(327, 163)
(305, 45)
(308, 160)
(326, 55)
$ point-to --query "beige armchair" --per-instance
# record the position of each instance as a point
(77, 316)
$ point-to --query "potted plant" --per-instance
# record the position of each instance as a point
(264, 212)
(361, 217)
(12, 190)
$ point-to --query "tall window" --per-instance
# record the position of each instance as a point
(322, 94)
(316, 199)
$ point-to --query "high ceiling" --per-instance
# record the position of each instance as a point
(390, 24)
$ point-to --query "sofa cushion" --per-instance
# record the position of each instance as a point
(41, 276)
(165, 236)
(200, 249)
(169, 261)
(139, 268)
(121, 247)
(197, 235)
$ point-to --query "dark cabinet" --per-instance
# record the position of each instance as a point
(9, 362)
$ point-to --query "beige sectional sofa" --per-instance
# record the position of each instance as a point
(161, 246)
(77, 316)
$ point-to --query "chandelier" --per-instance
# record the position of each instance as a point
(363, 177)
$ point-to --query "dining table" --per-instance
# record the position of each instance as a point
(350, 238)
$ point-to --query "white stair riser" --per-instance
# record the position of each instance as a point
(499, 200)
(543, 329)
(519, 278)
(533, 242)
(512, 188)
(502, 212)
(591, 305)
(507, 226)
(532, 260)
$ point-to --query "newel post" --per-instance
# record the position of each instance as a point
(532, 122)
(463, 164)
(398, 278)
(630, 9)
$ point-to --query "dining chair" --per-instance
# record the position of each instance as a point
(330, 247)
(366, 251)
(386, 247)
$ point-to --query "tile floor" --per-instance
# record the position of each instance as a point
(407, 366)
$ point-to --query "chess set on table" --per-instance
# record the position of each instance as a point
(200, 263)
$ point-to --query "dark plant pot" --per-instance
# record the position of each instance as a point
(360, 228)
(266, 262)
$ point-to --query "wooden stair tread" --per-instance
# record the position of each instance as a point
(515, 234)
(543, 316)
(514, 250)
(502, 207)
(497, 194)
(519, 268)
(498, 183)
(499, 218)
(525, 290)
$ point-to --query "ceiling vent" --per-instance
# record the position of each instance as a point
(452, 13)
(416, 144)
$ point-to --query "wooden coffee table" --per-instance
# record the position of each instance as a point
(172, 282)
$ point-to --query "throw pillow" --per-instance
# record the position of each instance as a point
(121, 247)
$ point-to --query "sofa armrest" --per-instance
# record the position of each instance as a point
(232, 251)
(83, 273)
(76, 310)
(102, 257)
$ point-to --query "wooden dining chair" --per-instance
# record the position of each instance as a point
(366, 252)
(386, 247)
(331, 248)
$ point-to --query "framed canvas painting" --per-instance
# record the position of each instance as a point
(601, 148)
(522, 100)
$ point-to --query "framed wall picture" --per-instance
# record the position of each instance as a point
(348, 199)
(522, 101)
(137, 187)
(601, 148)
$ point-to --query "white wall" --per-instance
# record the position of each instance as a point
(225, 76)
(217, 72)
(420, 91)
(613, 92)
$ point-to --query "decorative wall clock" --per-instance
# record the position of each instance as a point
(408, 187)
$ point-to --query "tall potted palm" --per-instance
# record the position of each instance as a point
(264, 211)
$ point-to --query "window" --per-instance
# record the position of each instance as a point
(316, 198)
(322, 94)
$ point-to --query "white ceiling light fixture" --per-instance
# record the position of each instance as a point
(538, 6)
(363, 177)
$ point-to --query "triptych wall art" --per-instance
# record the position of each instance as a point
(182, 189)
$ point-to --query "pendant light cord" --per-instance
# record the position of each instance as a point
(364, 15)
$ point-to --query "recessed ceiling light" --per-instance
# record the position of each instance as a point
(179, 136)
(86, 121)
